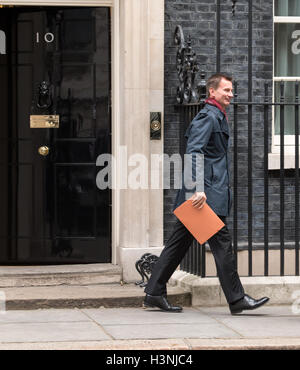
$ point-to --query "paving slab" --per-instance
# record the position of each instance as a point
(270, 327)
(139, 316)
(51, 332)
(160, 331)
(259, 326)
(43, 316)
(264, 322)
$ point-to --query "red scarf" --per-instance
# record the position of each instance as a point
(212, 101)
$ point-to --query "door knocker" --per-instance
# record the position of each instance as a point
(44, 100)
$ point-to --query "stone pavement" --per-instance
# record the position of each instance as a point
(269, 327)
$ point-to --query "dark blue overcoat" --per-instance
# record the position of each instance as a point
(208, 134)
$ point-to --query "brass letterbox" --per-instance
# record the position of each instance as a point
(44, 121)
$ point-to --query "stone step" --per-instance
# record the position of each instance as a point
(87, 274)
(207, 292)
(89, 296)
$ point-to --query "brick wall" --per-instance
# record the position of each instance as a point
(198, 18)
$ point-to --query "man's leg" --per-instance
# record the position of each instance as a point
(171, 256)
(221, 247)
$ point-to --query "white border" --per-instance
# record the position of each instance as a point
(115, 83)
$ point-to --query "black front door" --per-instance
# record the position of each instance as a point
(55, 121)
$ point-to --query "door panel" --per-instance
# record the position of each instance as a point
(57, 63)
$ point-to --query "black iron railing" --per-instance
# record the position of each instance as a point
(195, 260)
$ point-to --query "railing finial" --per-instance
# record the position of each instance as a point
(187, 68)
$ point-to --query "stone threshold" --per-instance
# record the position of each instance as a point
(57, 269)
(50, 275)
(207, 292)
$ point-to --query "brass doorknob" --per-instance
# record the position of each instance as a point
(43, 150)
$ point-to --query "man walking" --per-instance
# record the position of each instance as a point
(207, 134)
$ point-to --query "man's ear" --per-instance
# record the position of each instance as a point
(211, 92)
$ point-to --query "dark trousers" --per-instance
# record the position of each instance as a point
(176, 248)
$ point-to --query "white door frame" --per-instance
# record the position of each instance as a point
(115, 83)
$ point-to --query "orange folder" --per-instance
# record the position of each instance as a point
(202, 223)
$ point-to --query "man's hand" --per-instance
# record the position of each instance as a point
(198, 199)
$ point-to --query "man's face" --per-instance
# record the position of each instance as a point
(223, 94)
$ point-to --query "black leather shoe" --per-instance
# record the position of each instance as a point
(247, 303)
(161, 302)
